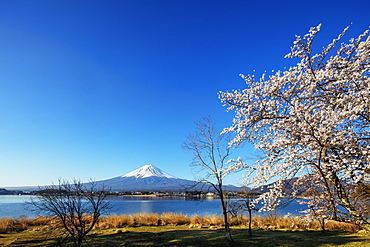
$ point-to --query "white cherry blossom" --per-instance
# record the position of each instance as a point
(312, 119)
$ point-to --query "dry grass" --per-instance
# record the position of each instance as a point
(141, 219)
(22, 223)
(300, 223)
(269, 222)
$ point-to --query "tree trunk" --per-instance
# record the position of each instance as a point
(342, 194)
(250, 220)
(322, 222)
(346, 203)
(224, 211)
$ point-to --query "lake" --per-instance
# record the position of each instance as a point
(14, 206)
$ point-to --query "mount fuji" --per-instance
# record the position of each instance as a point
(146, 178)
(147, 171)
(151, 178)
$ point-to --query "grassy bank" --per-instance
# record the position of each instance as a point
(179, 230)
(185, 236)
(149, 219)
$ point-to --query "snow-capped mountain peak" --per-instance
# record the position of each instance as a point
(147, 171)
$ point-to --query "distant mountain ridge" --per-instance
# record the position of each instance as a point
(151, 178)
(5, 192)
(146, 178)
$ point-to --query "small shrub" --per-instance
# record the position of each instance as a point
(6, 224)
(22, 223)
(174, 219)
(196, 220)
(214, 220)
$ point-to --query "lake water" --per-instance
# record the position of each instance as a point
(14, 206)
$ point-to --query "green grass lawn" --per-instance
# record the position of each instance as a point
(183, 236)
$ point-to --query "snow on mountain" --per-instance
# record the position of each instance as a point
(147, 178)
(151, 178)
(148, 171)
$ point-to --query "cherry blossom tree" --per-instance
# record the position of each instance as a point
(312, 121)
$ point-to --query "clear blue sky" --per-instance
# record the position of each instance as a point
(96, 89)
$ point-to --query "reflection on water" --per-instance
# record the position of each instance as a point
(14, 205)
(131, 205)
(145, 206)
(14, 198)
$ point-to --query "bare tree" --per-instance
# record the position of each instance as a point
(247, 202)
(76, 206)
(211, 153)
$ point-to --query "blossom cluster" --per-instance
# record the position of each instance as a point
(313, 119)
